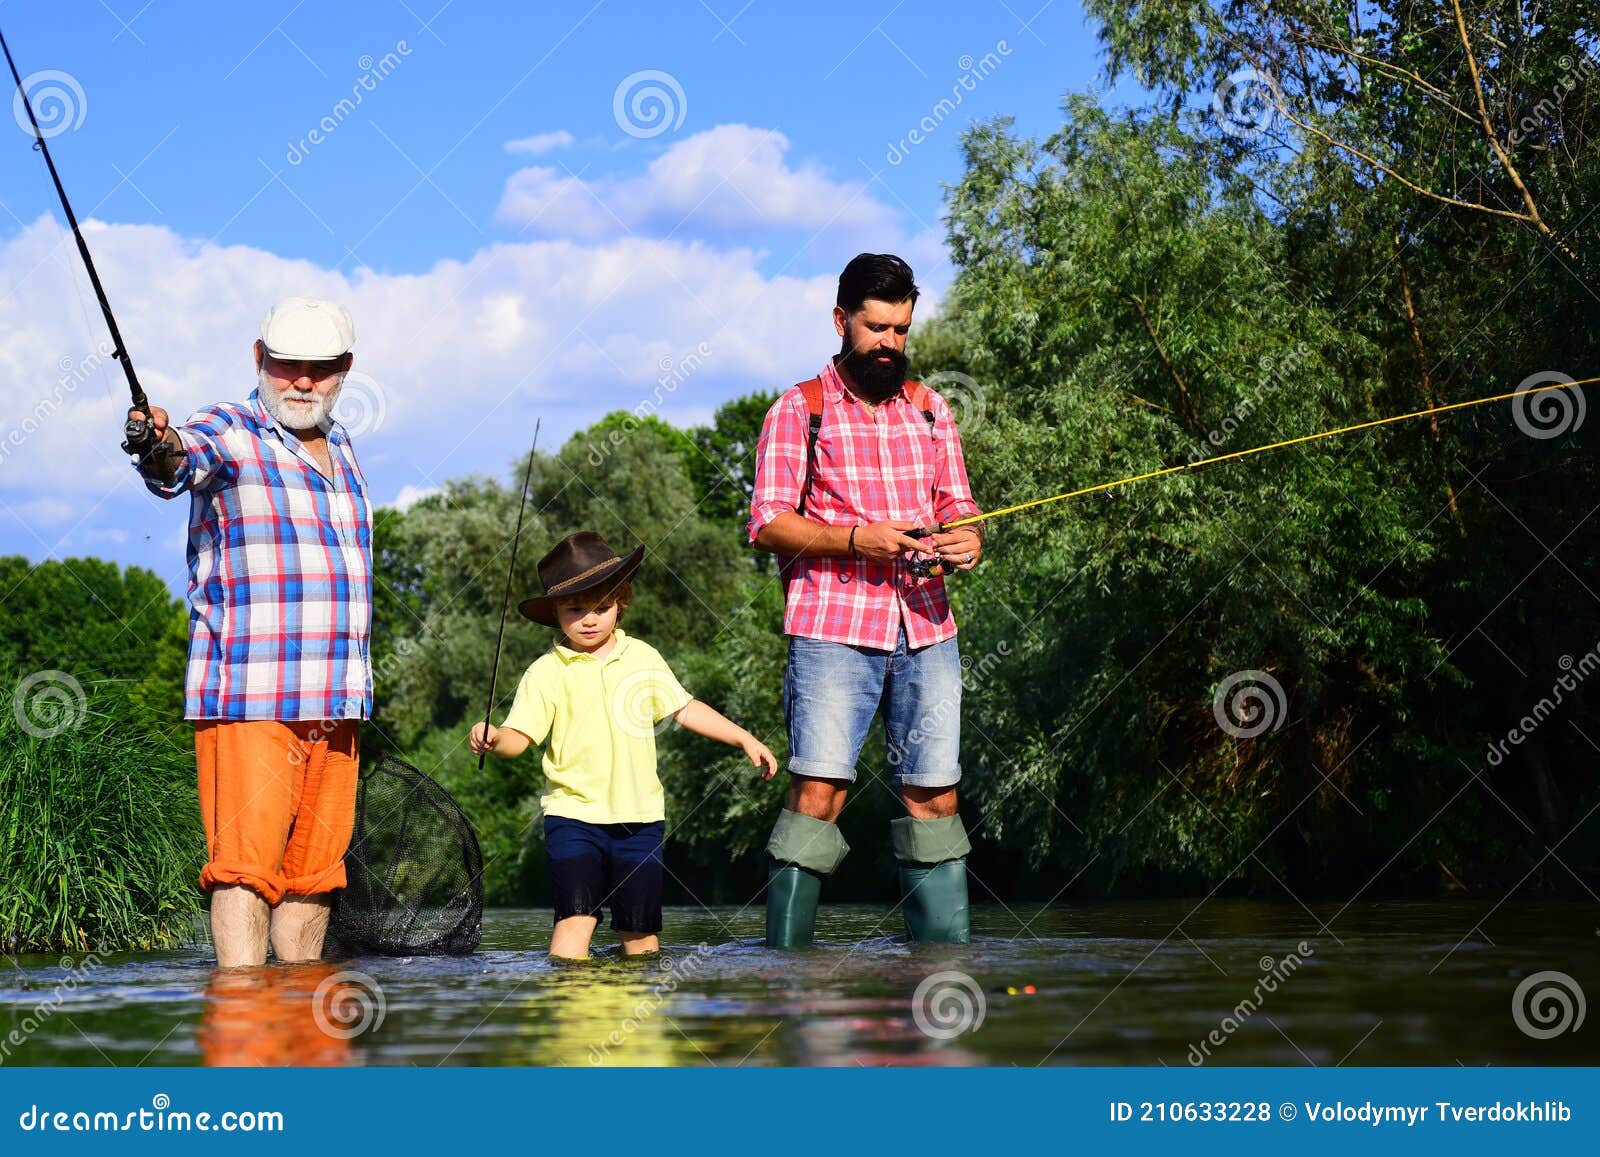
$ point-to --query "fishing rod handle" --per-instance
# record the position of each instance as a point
(926, 567)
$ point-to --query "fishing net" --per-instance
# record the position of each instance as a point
(414, 868)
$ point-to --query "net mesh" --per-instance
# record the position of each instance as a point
(414, 868)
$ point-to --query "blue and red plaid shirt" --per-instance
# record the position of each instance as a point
(280, 571)
(871, 465)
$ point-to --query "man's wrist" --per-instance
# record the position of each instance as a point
(851, 543)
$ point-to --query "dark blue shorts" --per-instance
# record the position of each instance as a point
(595, 866)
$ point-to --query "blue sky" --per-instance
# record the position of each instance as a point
(517, 235)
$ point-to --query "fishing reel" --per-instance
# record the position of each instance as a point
(141, 443)
(919, 566)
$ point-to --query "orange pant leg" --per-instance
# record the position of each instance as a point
(325, 808)
(247, 772)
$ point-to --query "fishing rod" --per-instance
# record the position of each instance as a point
(925, 531)
(139, 437)
(505, 601)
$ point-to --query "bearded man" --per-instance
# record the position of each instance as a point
(848, 463)
(280, 622)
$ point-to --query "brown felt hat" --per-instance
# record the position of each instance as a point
(580, 562)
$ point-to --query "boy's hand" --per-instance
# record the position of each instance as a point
(761, 756)
(481, 742)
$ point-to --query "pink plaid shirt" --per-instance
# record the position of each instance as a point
(870, 466)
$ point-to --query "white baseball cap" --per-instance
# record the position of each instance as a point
(307, 329)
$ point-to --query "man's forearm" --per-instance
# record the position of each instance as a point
(795, 536)
(164, 467)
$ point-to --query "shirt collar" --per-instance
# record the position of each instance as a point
(569, 656)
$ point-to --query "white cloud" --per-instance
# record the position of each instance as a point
(540, 143)
(729, 180)
(410, 495)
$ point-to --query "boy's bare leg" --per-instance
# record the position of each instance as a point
(635, 943)
(238, 926)
(298, 927)
(572, 936)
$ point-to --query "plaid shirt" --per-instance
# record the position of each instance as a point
(280, 571)
(870, 465)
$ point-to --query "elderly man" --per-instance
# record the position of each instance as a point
(848, 462)
(280, 616)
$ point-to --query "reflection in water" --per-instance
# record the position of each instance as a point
(1127, 983)
(275, 1015)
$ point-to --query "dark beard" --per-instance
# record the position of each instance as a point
(873, 380)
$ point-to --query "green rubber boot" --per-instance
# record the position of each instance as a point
(803, 850)
(933, 878)
(792, 895)
(936, 902)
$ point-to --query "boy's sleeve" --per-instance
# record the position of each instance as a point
(671, 698)
(206, 459)
(531, 711)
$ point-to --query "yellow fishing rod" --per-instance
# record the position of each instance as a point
(933, 566)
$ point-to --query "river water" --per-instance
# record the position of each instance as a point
(1172, 982)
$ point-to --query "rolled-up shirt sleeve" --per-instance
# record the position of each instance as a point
(952, 492)
(780, 461)
(206, 461)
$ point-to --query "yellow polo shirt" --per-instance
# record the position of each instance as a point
(601, 718)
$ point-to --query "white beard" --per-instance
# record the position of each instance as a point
(296, 416)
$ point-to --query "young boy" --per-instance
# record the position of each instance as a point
(599, 697)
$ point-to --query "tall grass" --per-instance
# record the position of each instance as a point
(100, 838)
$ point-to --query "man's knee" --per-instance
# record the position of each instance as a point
(929, 803)
(821, 799)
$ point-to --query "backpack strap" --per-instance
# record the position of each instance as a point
(812, 389)
(918, 394)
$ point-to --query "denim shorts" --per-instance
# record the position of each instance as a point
(616, 866)
(831, 691)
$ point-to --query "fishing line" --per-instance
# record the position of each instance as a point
(1256, 450)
